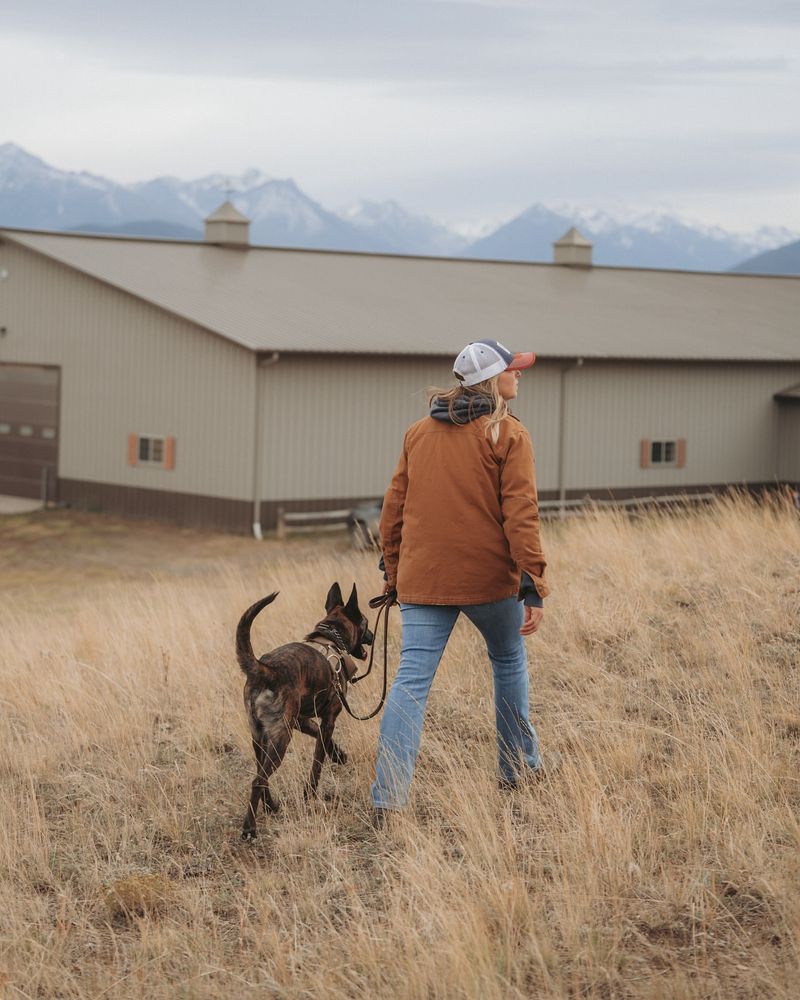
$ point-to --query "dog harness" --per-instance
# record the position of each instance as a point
(338, 660)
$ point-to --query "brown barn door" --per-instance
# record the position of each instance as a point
(28, 431)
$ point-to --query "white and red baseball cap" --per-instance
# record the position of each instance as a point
(486, 358)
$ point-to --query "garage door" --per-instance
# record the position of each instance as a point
(28, 430)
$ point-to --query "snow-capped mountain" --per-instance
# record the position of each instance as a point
(200, 197)
(36, 195)
(283, 215)
(651, 240)
(279, 212)
(403, 231)
(594, 220)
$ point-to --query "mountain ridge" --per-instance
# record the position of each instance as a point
(34, 194)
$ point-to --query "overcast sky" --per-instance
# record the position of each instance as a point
(466, 111)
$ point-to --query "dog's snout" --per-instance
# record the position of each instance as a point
(369, 638)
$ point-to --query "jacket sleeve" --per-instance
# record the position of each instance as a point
(391, 524)
(520, 508)
(528, 593)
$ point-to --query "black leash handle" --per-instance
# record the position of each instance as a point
(383, 602)
(390, 598)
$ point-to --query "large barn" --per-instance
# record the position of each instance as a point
(213, 383)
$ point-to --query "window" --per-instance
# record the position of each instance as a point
(5, 428)
(151, 449)
(49, 433)
(663, 453)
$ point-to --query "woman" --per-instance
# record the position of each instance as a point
(460, 533)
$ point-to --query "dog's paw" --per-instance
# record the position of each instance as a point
(248, 836)
(338, 756)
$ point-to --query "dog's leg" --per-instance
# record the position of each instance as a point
(308, 727)
(256, 793)
(316, 768)
(325, 746)
(268, 758)
(332, 749)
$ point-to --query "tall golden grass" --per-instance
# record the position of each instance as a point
(661, 861)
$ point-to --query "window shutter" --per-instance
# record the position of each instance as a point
(169, 453)
(681, 460)
(133, 449)
(644, 455)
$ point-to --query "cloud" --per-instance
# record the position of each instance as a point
(438, 48)
(751, 12)
(459, 108)
(300, 39)
(440, 41)
(692, 67)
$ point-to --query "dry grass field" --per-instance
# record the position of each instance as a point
(663, 860)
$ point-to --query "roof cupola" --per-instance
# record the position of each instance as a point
(573, 250)
(227, 227)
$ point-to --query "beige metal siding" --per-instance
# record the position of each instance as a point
(725, 412)
(334, 427)
(346, 420)
(789, 442)
(129, 367)
(536, 406)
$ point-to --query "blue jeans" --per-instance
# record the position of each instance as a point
(426, 629)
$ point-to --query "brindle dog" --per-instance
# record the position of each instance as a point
(293, 685)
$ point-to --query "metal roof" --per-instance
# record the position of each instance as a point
(301, 300)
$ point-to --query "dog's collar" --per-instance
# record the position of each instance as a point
(331, 632)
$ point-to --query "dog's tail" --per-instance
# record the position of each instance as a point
(244, 648)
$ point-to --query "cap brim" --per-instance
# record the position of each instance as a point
(520, 361)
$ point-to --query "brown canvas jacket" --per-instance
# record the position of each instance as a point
(460, 519)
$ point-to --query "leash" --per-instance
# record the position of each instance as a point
(383, 602)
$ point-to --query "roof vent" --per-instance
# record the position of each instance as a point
(228, 227)
(573, 250)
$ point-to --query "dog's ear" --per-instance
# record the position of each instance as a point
(334, 599)
(351, 609)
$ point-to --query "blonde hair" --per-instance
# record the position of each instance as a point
(487, 388)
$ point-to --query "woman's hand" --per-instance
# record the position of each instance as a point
(532, 621)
